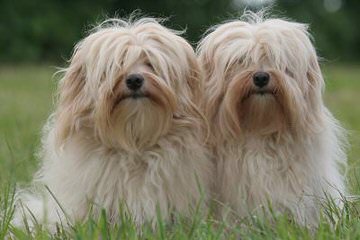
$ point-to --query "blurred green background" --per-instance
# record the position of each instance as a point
(46, 30)
(37, 35)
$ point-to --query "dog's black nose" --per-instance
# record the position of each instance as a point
(261, 79)
(134, 81)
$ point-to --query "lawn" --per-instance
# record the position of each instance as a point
(26, 99)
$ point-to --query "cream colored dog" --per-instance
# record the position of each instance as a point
(125, 129)
(273, 138)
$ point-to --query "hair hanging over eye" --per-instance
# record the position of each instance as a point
(74, 103)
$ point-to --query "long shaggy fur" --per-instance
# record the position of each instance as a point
(104, 147)
(280, 146)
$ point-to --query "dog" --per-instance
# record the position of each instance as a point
(126, 130)
(274, 141)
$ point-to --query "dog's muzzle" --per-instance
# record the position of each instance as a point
(261, 79)
(134, 82)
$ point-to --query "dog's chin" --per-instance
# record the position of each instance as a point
(261, 112)
(130, 97)
(137, 122)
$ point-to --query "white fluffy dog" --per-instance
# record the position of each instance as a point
(273, 138)
(125, 130)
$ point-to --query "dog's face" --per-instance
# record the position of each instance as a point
(129, 83)
(262, 77)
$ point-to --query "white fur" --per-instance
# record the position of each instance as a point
(101, 148)
(283, 147)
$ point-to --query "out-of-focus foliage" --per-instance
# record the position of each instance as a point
(46, 30)
(336, 31)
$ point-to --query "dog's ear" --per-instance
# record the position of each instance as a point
(315, 80)
(194, 86)
(313, 74)
(213, 80)
(314, 77)
(73, 103)
(314, 94)
(316, 85)
(195, 79)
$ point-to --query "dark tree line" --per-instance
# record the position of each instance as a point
(337, 34)
(46, 30)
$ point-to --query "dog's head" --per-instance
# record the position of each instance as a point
(261, 76)
(128, 83)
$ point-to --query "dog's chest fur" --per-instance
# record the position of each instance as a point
(166, 176)
(259, 171)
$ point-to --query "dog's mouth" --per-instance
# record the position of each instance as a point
(136, 95)
(260, 93)
(132, 95)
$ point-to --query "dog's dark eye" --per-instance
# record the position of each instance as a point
(289, 73)
(241, 59)
(148, 64)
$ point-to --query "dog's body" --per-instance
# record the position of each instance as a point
(289, 173)
(87, 174)
(126, 131)
(273, 139)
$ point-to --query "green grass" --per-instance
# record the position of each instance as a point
(26, 100)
